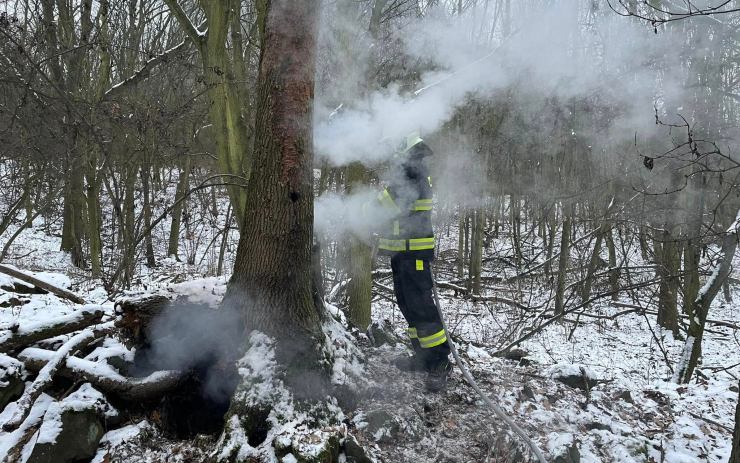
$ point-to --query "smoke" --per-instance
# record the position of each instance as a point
(552, 52)
(189, 336)
(558, 50)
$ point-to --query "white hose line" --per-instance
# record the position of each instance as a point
(471, 381)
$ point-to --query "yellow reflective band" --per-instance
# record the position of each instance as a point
(391, 245)
(420, 244)
(412, 333)
(429, 179)
(419, 265)
(434, 340)
(422, 205)
(396, 227)
(387, 201)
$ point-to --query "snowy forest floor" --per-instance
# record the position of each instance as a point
(632, 414)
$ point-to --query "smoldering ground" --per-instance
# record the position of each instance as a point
(199, 339)
(206, 343)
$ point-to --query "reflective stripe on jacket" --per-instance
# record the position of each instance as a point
(409, 199)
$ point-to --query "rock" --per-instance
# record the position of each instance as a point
(578, 382)
(381, 425)
(626, 396)
(382, 335)
(571, 454)
(526, 361)
(11, 380)
(516, 354)
(600, 426)
(72, 428)
(14, 302)
(526, 393)
(77, 440)
(354, 452)
(577, 377)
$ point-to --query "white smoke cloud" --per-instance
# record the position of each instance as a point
(564, 49)
(558, 49)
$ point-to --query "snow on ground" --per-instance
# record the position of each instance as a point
(634, 413)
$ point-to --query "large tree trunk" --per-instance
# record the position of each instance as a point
(222, 76)
(476, 250)
(146, 192)
(73, 228)
(271, 283)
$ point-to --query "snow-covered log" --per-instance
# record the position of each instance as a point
(25, 334)
(63, 293)
(135, 315)
(46, 376)
(104, 378)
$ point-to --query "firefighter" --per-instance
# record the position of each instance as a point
(409, 240)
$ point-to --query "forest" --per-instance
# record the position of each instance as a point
(201, 205)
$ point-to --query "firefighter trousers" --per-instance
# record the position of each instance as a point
(412, 283)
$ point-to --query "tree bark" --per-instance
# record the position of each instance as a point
(460, 261)
(476, 250)
(63, 293)
(668, 267)
(182, 189)
(146, 194)
(565, 239)
(19, 336)
(692, 347)
(271, 282)
(613, 270)
(359, 260)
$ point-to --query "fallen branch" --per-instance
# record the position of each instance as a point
(557, 317)
(12, 444)
(104, 378)
(46, 375)
(497, 299)
(63, 293)
(25, 334)
(712, 422)
(724, 323)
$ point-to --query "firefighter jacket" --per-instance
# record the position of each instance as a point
(408, 199)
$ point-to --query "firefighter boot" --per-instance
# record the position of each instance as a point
(437, 376)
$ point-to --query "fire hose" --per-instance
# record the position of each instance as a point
(471, 381)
